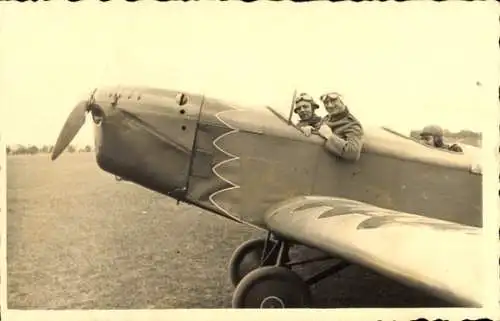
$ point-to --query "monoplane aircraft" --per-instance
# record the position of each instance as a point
(404, 209)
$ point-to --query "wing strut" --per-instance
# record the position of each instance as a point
(180, 194)
(289, 120)
(291, 107)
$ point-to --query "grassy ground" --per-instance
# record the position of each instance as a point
(77, 239)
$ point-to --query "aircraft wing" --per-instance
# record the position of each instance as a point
(439, 257)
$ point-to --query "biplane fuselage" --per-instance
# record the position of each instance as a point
(239, 162)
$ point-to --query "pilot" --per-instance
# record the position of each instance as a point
(342, 131)
(306, 107)
(432, 135)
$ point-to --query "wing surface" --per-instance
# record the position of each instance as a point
(439, 257)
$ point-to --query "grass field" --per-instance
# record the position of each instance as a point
(78, 239)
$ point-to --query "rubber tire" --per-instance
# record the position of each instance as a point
(255, 246)
(272, 281)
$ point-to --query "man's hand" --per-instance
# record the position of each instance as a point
(456, 148)
(325, 131)
(307, 130)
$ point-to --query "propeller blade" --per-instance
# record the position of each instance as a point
(71, 127)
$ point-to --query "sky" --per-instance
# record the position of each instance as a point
(402, 65)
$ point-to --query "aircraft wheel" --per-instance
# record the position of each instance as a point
(247, 257)
(272, 287)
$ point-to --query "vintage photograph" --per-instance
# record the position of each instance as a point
(229, 155)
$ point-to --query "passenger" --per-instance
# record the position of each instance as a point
(306, 107)
(432, 135)
(342, 131)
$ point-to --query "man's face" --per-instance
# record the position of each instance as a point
(304, 110)
(334, 106)
(427, 140)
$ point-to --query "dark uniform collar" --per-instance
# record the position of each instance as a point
(313, 121)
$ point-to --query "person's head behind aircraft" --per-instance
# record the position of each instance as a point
(305, 106)
(432, 135)
(333, 103)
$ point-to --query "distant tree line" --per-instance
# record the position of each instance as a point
(45, 149)
(464, 136)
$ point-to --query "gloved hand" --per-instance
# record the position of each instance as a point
(307, 130)
(325, 131)
(455, 148)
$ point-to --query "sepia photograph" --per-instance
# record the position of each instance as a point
(223, 155)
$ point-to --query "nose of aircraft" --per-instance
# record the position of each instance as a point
(73, 124)
(137, 113)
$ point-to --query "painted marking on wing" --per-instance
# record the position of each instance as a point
(214, 168)
(376, 222)
(379, 217)
(354, 208)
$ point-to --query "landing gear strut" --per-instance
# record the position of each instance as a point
(253, 254)
(262, 273)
